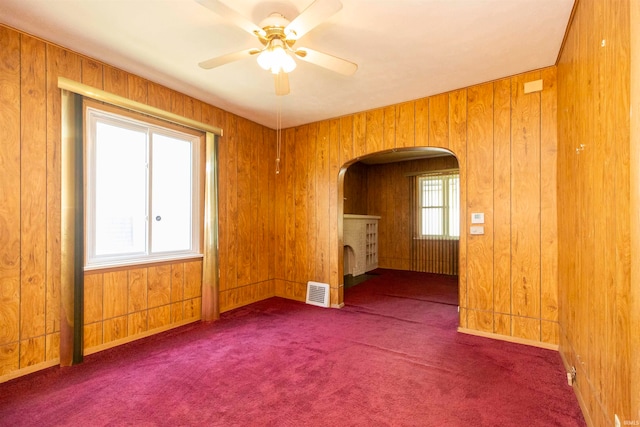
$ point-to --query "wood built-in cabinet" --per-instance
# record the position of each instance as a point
(361, 243)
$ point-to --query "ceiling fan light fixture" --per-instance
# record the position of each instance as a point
(275, 58)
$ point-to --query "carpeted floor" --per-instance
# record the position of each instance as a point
(390, 357)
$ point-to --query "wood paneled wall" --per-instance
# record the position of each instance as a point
(30, 211)
(355, 189)
(595, 209)
(505, 142)
(123, 304)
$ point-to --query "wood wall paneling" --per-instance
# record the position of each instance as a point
(634, 167)
(117, 302)
(300, 217)
(10, 247)
(458, 146)
(502, 199)
(405, 124)
(335, 210)
(359, 134)
(374, 134)
(229, 207)
(312, 201)
(389, 128)
(594, 85)
(525, 198)
(421, 118)
(323, 183)
(33, 216)
(480, 191)
(346, 139)
(439, 121)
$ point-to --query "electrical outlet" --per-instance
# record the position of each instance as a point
(571, 376)
(616, 420)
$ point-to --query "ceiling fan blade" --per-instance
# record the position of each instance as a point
(327, 61)
(225, 59)
(282, 83)
(232, 16)
(315, 14)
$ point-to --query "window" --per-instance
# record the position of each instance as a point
(438, 205)
(142, 190)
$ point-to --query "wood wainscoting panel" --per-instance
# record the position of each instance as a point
(137, 323)
(502, 324)
(525, 327)
(138, 289)
(549, 332)
(127, 303)
(92, 335)
(94, 298)
(32, 351)
(115, 294)
(192, 279)
(159, 317)
(178, 282)
(480, 320)
(158, 285)
(114, 329)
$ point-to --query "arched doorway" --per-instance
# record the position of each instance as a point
(386, 185)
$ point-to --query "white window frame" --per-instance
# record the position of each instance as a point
(94, 113)
(444, 177)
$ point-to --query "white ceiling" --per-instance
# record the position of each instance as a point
(405, 49)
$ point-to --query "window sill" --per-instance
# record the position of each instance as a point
(148, 262)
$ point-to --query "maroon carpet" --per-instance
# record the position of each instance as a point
(390, 357)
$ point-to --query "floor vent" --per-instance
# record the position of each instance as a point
(318, 294)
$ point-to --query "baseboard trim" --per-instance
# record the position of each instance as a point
(337, 305)
(29, 370)
(515, 340)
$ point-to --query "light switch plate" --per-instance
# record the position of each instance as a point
(477, 229)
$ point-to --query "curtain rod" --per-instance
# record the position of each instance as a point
(120, 101)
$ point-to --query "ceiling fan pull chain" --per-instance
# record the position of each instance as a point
(278, 132)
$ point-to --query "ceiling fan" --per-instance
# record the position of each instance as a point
(278, 36)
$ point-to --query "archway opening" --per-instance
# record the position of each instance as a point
(414, 195)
